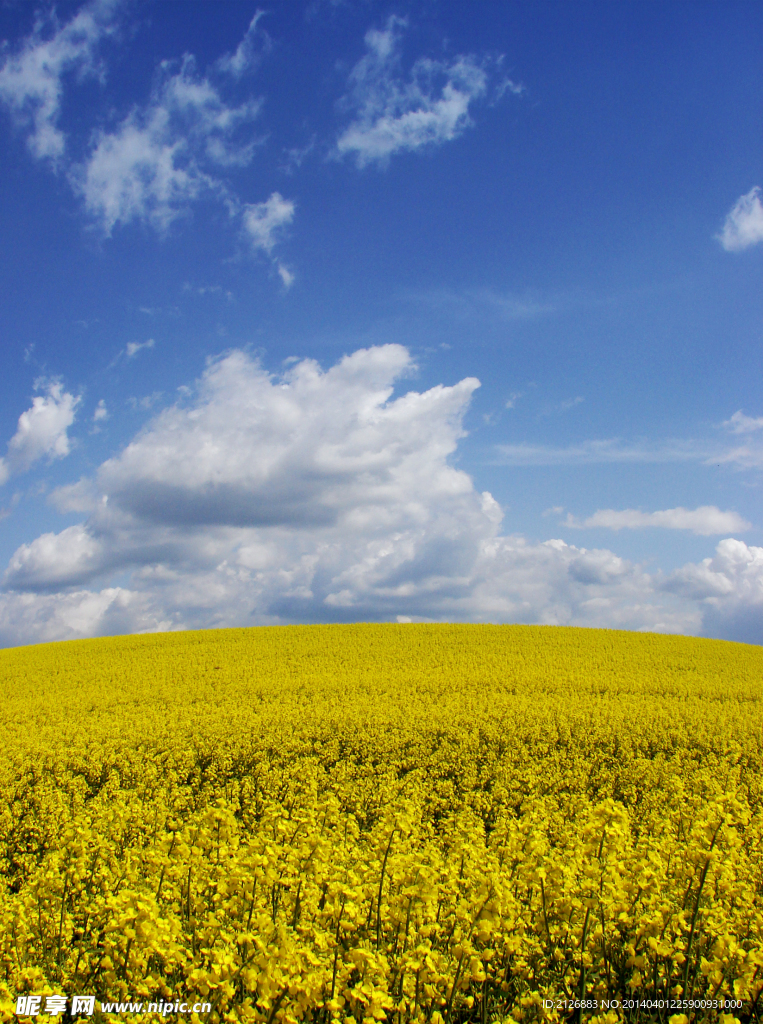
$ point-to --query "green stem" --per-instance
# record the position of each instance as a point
(703, 876)
(381, 884)
(61, 919)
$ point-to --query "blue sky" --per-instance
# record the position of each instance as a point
(356, 311)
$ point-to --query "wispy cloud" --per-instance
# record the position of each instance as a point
(601, 451)
(746, 455)
(470, 303)
(208, 289)
(741, 424)
(249, 51)
(146, 402)
(704, 521)
(42, 431)
(296, 155)
(162, 157)
(31, 80)
(743, 226)
(264, 224)
(393, 113)
(557, 408)
(166, 154)
(264, 221)
(134, 347)
(287, 277)
(749, 453)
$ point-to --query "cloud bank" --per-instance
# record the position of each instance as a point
(329, 495)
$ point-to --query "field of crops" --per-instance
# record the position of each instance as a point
(368, 823)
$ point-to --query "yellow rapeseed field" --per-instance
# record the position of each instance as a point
(430, 823)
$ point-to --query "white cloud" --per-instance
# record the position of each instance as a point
(557, 408)
(319, 495)
(570, 403)
(54, 559)
(31, 80)
(43, 618)
(749, 453)
(472, 304)
(311, 448)
(101, 412)
(146, 402)
(263, 222)
(41, 432)
(601, 451)
(743, 226)
(79, 497)
(151, 168)
(392, 114)
(164, 156)
(249, 51)
(741, 424)
(729, 590)
(705, 520)
(746, 455)
(208, 289)
(134, 347)
(554, 583)
(286, 275)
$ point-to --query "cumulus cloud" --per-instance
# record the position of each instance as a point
(705, 520)
(311, 448)
(31, 80)
(42, 431)
(79, 497)
(392, 114)
(728, 589)
(743, 226)
(35, 618)
(54, 559)
(318, 495)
